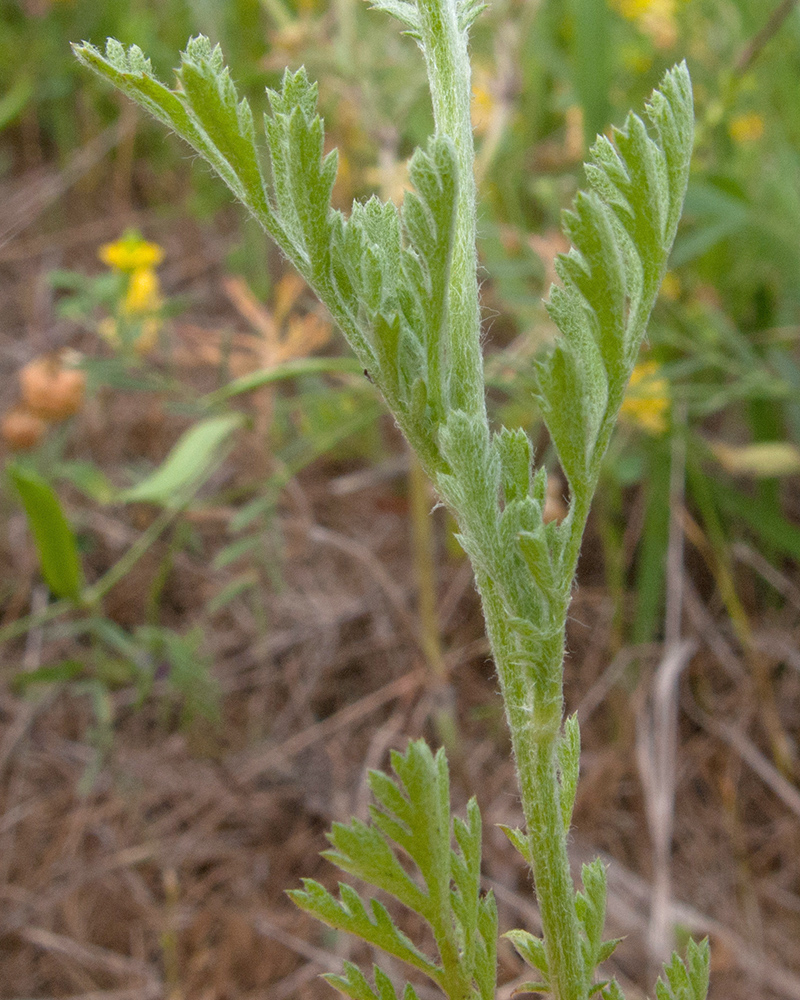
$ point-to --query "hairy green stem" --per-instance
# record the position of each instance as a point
(447, 59)
(534, 710)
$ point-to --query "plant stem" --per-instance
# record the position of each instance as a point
(447, 59)
(534, 709)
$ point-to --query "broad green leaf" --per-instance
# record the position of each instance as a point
(190, 460)
(52, 534)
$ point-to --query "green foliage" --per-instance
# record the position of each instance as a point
(412, 812)
(622, 231)
(590, 909)
(569, 753)
(188, 463)
(402, 286)
(382, 274)
(55, 541)
(686, 980)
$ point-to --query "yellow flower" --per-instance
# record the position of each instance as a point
(748, 127)
(131, 253)
(655, 18)
(144, 293)
(647, 400)
(138, 314)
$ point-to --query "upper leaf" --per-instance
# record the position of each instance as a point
(622, 231)
(302, 176)
(204, 110)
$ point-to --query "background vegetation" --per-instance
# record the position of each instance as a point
(207, 639)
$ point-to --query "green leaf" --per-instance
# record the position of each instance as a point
(568, 753)
(349, 913)
(428, 219)
(353, 983)
(622, 231)
(516, 458)
(302, 177)
(187, 464)
(531, 949)
(686, 980)
(442, 884)
(405, 12)
(590, 906)
(52, 534)
(612, 991)
(204, 111)
(54, 673)
(518, 840)
(468, 11)
(531, 987)
(86, 477)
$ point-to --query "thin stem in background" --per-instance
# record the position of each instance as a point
(425, 569)
(657, 729)
(424, 549)
(759, 41)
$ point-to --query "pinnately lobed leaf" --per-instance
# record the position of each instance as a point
(412, 813)
(382, 273)
(622, 231)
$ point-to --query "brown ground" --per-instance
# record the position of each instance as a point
(165, 877)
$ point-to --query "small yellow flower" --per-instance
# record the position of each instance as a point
(655, 18)
(647, 401)
(131, 253)
(144, 293)
(747, 127)
(137, 323)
